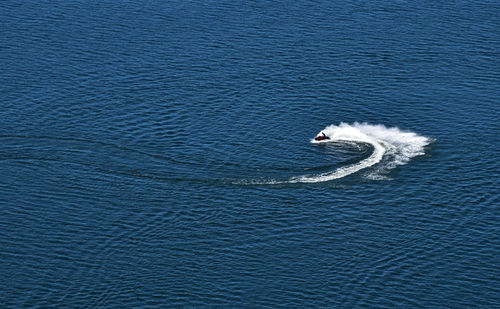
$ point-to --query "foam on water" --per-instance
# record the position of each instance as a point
(391, 147)
(397, 147)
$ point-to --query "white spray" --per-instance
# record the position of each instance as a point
(391, 147)
(398, 146)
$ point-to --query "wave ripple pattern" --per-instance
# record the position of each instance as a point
(158, 154)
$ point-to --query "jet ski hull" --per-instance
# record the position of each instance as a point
(322, 138)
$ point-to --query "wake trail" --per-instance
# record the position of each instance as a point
(391, 147)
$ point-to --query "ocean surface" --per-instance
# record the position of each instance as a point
(161, 154)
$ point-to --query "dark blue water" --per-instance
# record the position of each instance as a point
(158, 154)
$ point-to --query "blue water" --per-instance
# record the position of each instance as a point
(160, 154)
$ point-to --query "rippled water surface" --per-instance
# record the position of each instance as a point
(161, 154)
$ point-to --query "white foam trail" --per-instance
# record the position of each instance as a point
(391, 147)
(391, 143)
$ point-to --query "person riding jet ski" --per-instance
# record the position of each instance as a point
(321, 137)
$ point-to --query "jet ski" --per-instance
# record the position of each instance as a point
(321, 137)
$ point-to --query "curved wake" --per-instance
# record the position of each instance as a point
(391, 147)
(396, 145)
